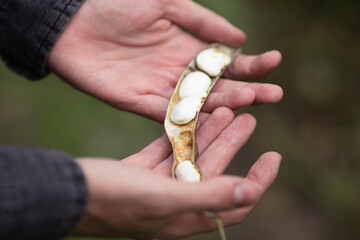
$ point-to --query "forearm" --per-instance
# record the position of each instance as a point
(43, 194)
(28, 31)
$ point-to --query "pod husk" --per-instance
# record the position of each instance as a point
(183, 137)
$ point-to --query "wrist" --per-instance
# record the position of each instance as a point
(94, 221)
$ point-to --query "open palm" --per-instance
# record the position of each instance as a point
(130, 54)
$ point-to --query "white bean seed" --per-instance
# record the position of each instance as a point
(185, 110)
(212, 61)
(187, 172)
(195, 84)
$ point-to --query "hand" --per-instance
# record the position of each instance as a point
(131, 199)
(130, 54)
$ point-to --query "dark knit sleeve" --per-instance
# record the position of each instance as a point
(28, 31)
(42, 194)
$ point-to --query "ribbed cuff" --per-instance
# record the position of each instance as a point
(29, 30)
(43, 194)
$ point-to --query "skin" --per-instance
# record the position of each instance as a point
(130, 54)
(137, 198)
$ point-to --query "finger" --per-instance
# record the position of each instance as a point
(246, 67)
(265, 170)
(232, 98)
(264, 92)
(190, 224)
(216, 194)
(205, 23)
(211, 128)
(203, 117)
(220, 153)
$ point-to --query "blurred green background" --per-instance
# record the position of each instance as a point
(316, 127)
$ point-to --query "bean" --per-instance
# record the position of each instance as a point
(212, 61)
(185, 110)
(187, 172)
(195, 84)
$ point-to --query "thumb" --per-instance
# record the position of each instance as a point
(217, 194)
(205, 23)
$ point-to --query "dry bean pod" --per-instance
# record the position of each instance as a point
(212, 61)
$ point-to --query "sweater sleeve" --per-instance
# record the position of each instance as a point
(42, 194)
(29, 30)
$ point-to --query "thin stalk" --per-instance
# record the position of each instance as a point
(220, 227)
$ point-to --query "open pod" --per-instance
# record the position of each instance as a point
(183, 111)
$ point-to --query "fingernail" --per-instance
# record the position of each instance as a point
(239, 193)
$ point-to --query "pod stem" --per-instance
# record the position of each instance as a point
(220, 227)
